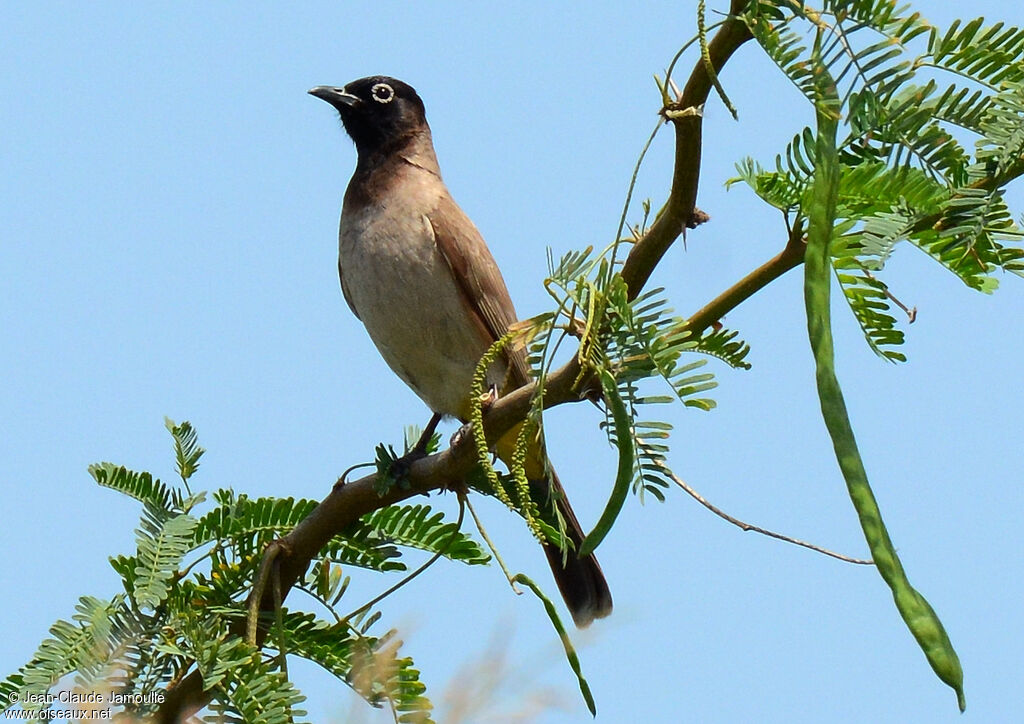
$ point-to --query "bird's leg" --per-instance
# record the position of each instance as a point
(420, 448)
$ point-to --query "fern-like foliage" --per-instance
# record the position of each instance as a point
(251, 523)
(869, 299)
(414, 526)
(82, 644)
(641, 344)
(364, 547)
(647, 343)
(186, 448)
(370, 665)
(245, 687)
(912, 98)
(181, 608)
(141, 486)
(726, 346)
(163, 542)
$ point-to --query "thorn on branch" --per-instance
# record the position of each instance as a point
(911, 312)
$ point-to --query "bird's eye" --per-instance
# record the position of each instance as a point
(383, 93)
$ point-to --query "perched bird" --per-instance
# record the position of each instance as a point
(415, 270)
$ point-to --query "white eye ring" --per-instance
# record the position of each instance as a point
(382, 93)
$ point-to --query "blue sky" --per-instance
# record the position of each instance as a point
(167, 241)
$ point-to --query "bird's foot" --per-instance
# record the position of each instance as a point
(485, 401)
(398, 471)
(461, 434)
(458, 487)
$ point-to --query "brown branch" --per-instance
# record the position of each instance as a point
(349, 502)
(688, 120)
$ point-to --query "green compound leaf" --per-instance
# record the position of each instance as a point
(141, 486)
(417, 526)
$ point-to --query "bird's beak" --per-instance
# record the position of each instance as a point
(337, 97)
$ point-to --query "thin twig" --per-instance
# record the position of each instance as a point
(629, 196)
(343, 478)
(490, 544)
(182, 575)
(911, 312)
(756, 529)
(282, 653)
(322, 601)
(270, 554)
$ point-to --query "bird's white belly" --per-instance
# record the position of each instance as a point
(405, 294)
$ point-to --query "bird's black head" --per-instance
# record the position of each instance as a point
(378, 112)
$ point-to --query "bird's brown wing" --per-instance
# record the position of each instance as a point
(478, 278)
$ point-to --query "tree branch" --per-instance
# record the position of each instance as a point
(678, 211)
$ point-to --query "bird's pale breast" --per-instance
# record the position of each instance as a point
(402, 289)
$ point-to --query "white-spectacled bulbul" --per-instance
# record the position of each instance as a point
(415, 270)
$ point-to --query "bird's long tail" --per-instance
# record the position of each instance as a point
(580, 580)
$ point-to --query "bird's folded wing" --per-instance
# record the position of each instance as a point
(477, 277)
